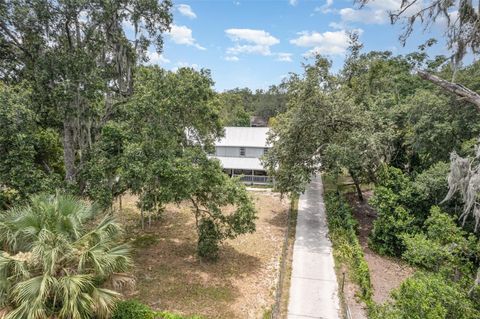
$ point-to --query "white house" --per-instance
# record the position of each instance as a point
(239, 153)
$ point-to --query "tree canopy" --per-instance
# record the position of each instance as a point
(79, 61)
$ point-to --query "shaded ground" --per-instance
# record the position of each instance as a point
(288, 260)
(386, 273)
(171, 277)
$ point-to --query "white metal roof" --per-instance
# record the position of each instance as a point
(240, 162)
(244, 136)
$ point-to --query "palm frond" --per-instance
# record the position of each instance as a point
(76, 301)
(104, 301)
(15, 267)
(53, 262)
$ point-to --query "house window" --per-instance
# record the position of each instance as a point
(242, 151)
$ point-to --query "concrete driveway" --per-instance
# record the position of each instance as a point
(314, 287)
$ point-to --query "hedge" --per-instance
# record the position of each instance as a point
(347, 250)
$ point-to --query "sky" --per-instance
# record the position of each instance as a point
(257, 43)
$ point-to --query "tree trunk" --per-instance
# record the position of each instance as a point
(455, 88)
(68, 151)
(357, 186)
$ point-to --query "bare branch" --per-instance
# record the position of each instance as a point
(455, 88)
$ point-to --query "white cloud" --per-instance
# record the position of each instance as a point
(232, 58)
(329, 43)
(181, 34)
(156, 58)
(249, 49)
(250, 41)
(336, 25)
(442, 21)
(293, 2)
(376, 12)
(326, 8)
(364, 16)
(179, 65)
(260, 37)
(284, 57)
(186, 10)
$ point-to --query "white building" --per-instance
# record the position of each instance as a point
(240, 151)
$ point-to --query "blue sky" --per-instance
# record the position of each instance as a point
(247, 43)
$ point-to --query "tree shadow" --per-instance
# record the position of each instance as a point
(279, 219)
(171, 276)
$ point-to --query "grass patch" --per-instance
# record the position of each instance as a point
(341, 183)
(285, 285)
(144, 241)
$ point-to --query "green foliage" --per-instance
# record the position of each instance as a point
(388, 228)
(393, 219)
(102, 175)
(430, 186)
(427, 296)
(237, 105)
(29, 154)
(132, 309)
(208, 238)
(435, 125)
(420, 251)
(157, 148)
(342, 230)
(222, 206)
(233, 110)
(443, 248)
(79, 61)
(164, 132)
(395, 180)
(57, 260)
(403, 206)
(168, 315)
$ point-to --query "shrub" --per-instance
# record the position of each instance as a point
(427, 296)
(424, 253)
(443, 247)
(132, 309)
(388, 231)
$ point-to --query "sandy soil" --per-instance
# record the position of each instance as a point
(171, 277)
(386, 273)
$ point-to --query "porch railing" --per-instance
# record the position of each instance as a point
(255, 179)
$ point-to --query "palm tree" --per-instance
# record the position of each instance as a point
(59, 261)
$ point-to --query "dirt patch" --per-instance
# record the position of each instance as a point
(386, 273)
(287, 276)
(350, 290)
(171, 277)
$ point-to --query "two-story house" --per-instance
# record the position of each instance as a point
(240, 151)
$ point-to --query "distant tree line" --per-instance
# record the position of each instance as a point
(239, 105)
